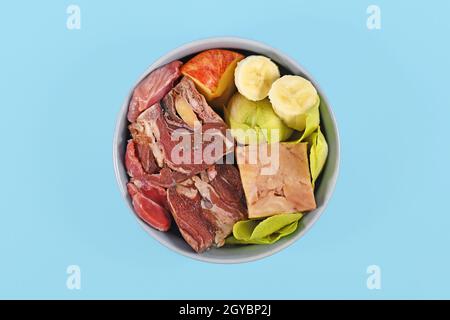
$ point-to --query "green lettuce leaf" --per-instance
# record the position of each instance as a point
(285, 231)
(311, 123)
(318, 154)
(266, 231)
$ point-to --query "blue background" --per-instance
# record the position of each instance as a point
(61, 91)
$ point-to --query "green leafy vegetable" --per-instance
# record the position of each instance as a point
(244, 229)
(312, 120)
(254, 122)
(266, 231)
(318, 154)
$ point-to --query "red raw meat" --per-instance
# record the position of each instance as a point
(153, 88)
(226, 181)
(146, 157)
(132, 163)
(148, 210)
(186, 208)
(154, 192)
(200, 208)
(156, 126)
(186, 89)
(205, 198)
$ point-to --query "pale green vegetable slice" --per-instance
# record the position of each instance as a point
(243, 229)
(312, 121)
(287, 230)
(245, 134)
(318, 154)
(274, 237)
(266, 231)
(253, 122)
(274, 224)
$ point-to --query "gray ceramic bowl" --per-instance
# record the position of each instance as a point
(324, 187)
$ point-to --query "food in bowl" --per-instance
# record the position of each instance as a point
(225, 148)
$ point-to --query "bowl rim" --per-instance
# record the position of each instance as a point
(213, 42)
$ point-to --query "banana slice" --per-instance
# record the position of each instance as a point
(254, 76)
(292, 97)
